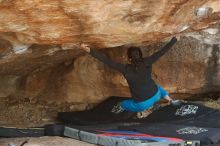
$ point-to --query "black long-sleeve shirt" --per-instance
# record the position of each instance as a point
(139, 79)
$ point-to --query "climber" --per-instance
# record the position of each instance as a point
(145, 92)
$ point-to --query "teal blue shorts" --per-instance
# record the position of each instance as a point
(134, 106)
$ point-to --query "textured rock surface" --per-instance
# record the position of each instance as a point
(190, 67)
(101, 23)
(40, 60)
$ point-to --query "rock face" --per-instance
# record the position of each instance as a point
(40, 58)
(188, 68)
(102, 23)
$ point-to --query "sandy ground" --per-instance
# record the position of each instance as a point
(212, 103)
(23, 113)
(43, 141)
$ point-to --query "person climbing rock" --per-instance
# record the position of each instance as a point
(145, 92)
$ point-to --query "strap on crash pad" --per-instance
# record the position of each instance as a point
(48, 130)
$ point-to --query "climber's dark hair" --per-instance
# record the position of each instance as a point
(134, 55)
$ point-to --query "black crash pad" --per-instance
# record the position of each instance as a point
(101, 114)
(188, 121)
(48, 130)
(21, 132)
